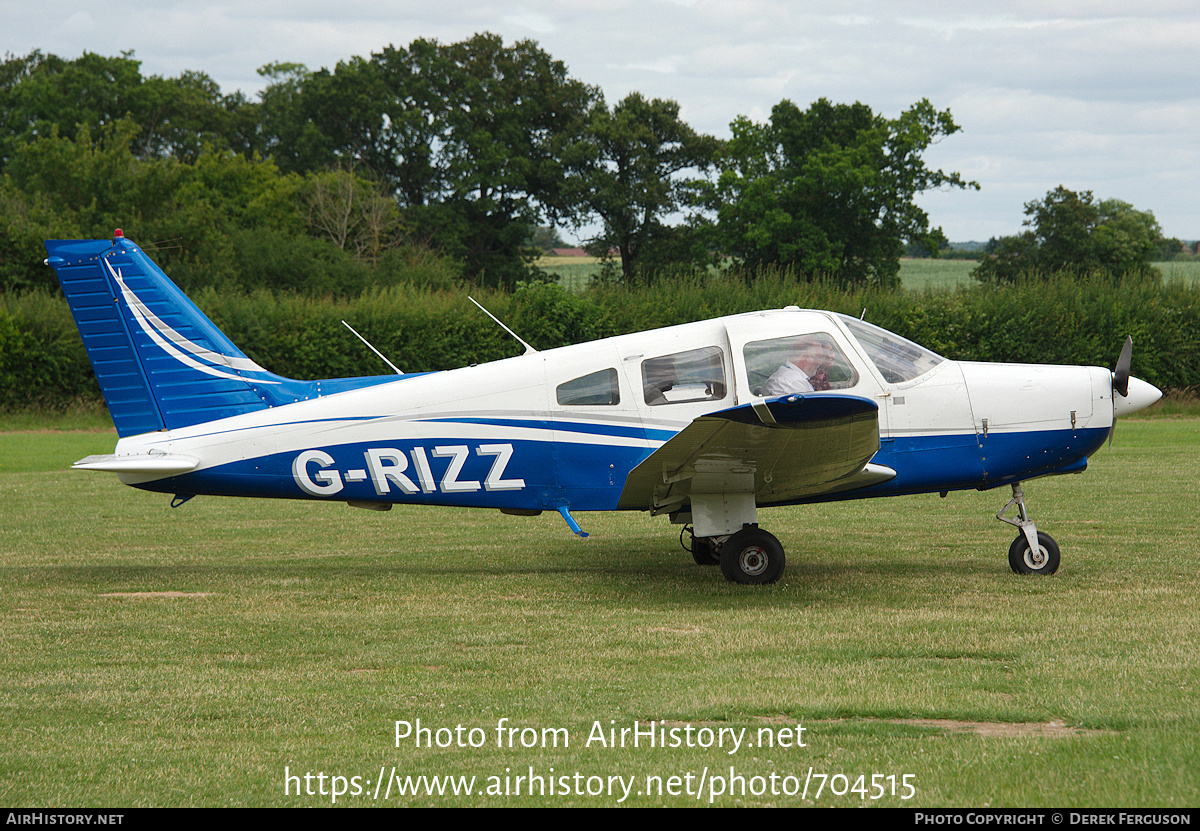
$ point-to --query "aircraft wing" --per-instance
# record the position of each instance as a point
(780, 449)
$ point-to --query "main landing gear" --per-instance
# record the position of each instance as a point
(755, 557)
(1033, 551)
(751, 556)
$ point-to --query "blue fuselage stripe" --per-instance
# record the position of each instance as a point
(563, 426)
(545, 475)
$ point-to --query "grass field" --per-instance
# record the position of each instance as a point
(203, 655)
(574, 272)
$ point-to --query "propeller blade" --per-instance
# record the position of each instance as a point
(1121, 371)
(1120, 381)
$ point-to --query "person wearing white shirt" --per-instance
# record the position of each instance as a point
(808, 356)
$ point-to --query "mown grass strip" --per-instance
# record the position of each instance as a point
(158, 656)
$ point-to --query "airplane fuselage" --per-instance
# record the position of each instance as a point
(499, 435)
(705, 422)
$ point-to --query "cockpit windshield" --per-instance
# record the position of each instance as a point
(897, 359)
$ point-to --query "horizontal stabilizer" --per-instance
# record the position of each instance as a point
(148, 463)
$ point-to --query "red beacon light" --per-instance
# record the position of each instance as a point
(118, 234)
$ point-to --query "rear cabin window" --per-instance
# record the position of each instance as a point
(698, 375)
(596, 389)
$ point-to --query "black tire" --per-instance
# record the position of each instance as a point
(1022, 560)
(752, 556)
(704, 552)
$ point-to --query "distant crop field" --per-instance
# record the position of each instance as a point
(921, 274)
(558, 262)
(936, 274)
(257, 653)
(575, 272)
(1189, 271)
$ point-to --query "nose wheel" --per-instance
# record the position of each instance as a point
(1025, 560)
(1033, 551)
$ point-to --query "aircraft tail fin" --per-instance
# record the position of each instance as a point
(161, 363)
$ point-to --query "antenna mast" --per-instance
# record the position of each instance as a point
(528, 349)
(372, 348)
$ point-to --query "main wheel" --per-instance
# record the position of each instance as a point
(1023, 560)
(752, 556)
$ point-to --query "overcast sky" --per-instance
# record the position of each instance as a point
(1091, 94)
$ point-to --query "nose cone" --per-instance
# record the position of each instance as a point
(1141, 395)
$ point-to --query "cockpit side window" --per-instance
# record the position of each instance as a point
(797, 363)
(597, 388)
(897, 359)
(698, 375)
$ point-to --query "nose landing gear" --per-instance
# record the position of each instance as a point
(1033, 551)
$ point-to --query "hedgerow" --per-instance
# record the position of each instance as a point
(1063, 320)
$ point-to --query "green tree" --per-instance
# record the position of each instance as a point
(546, 237)
(1063, 223)
(175, 117)
(1069, 231)
(288, 137)
(352, 213)
(1126, 239)
(352, 116)
(180, 117)
(466, 137)
(626, 173)
(829, 190)
(510, 111)
(45, 91)
(88, 185)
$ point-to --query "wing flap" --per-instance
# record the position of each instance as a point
(780, 449)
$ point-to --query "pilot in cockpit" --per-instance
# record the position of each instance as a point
(806, 371)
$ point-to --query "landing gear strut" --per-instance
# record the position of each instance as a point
(704, 549)
(1033, 551)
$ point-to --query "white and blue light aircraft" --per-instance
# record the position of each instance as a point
(687, 421)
